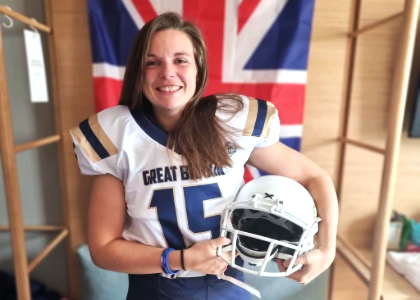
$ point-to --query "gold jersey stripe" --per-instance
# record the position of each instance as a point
(102, 136)
(271, 112)
(252, 117)
(85, 145)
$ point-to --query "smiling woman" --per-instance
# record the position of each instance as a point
(166, 74)
(168, 162)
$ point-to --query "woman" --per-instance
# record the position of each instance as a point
(167, 163)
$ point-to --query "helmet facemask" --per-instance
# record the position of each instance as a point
(264, 224)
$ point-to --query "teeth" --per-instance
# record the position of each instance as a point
(169, 88)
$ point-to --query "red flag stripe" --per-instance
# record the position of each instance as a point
(212, 28)
(245, 10)
(247, 175)
(145, 9)
(107, 92)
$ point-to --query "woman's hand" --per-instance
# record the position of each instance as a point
(313, 263)
(202, 257)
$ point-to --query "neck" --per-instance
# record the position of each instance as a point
(168, 120)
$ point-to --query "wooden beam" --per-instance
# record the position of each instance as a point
(12, 185)
(395, 121)
(356, 253)
(24, 19)
(36, 228)
(375, 24)
(38, 143)
(59, 58)
(362, 145)
(47, 250)
(345, 112)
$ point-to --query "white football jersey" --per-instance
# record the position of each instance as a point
(164, 207)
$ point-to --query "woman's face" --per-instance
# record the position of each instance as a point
(171, 72)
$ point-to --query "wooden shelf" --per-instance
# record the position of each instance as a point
(395, 286)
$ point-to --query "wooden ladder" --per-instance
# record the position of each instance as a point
(8, 152)
(372, 272)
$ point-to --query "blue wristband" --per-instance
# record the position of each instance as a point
(164, 262)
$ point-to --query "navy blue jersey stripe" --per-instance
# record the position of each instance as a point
(261, 116)
(149, 128)
(93, 140)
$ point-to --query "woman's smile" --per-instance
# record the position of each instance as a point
(171, 88)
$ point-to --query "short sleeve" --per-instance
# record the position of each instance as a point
(260, 121)
(95, 151)
(81, 150)
(273, 135)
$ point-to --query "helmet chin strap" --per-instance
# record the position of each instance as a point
(245, 286)
(283, 256)
(241, 284)
(235, 281)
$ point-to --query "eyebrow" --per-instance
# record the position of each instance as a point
(176, 54)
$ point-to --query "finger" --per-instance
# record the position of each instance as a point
(228, 255)
(221, 241)
(218, 267)
(221, 263)
(221, 271)
(282, 268)
(301, 260)
(215, 265)
(300, 276)
(303, 276)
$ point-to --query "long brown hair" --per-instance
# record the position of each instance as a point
(199, 136)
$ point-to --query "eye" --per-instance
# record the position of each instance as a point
(151, 63)
(181, 61)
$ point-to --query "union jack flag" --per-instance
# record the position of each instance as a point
(257, 48)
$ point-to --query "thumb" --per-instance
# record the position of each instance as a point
(299, 260)
(221, 241)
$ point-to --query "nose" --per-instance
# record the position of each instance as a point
(167, 71)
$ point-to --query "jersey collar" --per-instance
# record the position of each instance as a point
(147, 121)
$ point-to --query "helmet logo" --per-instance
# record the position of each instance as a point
(267, 195)
(231, 148)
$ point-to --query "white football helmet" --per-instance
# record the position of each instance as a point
(271, 217)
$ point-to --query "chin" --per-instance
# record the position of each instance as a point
(173, 105)
(169, 107)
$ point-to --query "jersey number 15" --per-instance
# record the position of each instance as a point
(194, 196)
